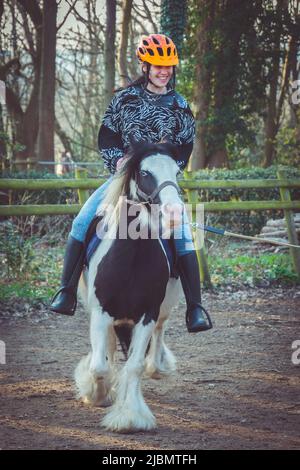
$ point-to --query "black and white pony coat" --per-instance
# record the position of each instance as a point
(128, 287)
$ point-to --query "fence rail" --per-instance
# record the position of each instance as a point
(94, 183)
(190, 184)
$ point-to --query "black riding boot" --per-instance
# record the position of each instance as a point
(197, 318)
(65, 299)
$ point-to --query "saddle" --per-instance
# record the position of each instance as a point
(92, 241)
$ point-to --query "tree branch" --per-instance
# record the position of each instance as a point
(72, 7)
(32, 8)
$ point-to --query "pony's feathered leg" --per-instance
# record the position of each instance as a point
(160, 360)
(101, 325)
(93, 373)
(130, 412)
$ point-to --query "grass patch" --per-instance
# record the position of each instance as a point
(37, 284)
(252, 270)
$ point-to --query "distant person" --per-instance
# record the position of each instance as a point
(66, 164)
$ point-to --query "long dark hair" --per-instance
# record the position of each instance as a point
(144, 79)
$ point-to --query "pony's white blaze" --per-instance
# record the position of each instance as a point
(163, 169)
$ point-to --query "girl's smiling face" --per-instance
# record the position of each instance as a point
(160, 76)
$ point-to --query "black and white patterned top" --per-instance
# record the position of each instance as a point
(146, 116)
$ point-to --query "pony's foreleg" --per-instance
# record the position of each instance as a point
(130, 412)
(92, 375)
(101, 326)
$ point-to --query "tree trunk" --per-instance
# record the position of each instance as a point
(218, 159)
(224, 79)
(25, 124)
(3, 151)
(109, 52)
(273, 116)
(45, 144)
(202, 86)
(123, 69)
(294, 104)
(173, 20)
(270, 122)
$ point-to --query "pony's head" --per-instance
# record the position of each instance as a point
(149, 178)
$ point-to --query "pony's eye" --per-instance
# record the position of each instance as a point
(144, 173)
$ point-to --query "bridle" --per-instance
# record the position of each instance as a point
(150, 198)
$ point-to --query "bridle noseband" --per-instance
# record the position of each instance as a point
(150, 198)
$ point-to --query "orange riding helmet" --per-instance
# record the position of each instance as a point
(157, 49)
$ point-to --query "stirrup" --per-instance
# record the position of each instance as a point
(208, 326)
(62, 289)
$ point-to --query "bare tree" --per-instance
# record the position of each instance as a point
(45, 142)
(202, 86)
(24, 116)
(109, 51)
(281, 69)
(126, 17)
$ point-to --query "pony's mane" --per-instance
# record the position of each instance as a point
(137, 152)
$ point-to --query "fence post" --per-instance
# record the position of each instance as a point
(83, 194)
(193, 198)
(290, 223)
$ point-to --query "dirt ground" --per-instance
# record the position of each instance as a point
(236, 386)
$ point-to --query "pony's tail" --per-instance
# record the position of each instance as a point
(124, 334)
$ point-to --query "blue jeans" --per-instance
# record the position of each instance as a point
(182, 234)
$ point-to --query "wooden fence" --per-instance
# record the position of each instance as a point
(189, 184)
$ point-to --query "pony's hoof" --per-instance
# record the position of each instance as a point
(122, 421)
(155, 373)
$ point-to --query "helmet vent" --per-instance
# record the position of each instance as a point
(155, 40)
(160, 51)
(146, 43)
(169, 51)
(150, 51)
